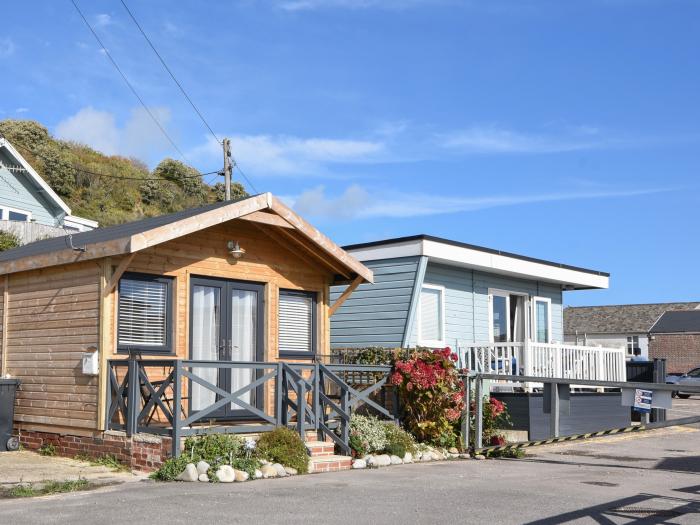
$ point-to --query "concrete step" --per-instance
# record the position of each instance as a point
(320, 448)
(332, 463)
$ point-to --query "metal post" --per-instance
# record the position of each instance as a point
(554, 410)
(479, 426)
(132, 396)
(466, 424)
(177, 407)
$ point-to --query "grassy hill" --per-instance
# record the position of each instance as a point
(125, 190)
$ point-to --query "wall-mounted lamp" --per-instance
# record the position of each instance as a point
(235, 250)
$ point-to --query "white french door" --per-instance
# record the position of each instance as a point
(226, 324)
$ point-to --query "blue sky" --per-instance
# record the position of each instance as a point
(568, 131)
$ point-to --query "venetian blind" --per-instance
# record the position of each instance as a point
(142, 313)
(295, 322)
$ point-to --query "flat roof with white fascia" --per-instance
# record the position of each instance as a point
(455, 253)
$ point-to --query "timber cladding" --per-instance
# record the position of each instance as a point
(55, 314)
(52, 317)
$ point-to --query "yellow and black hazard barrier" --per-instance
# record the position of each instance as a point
(610, 432)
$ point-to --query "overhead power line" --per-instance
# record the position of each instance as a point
(172, 75)
(182, 89)
(108, 175)
(126, 80)
(236, 166)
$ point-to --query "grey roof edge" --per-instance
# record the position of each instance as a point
(666, 322)
(459, 244)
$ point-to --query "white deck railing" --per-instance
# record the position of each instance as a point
(556, 360)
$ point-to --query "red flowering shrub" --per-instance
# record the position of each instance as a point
(495, 419)
(431, 395)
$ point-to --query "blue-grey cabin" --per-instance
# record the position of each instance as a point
(437, 292)
(29, 208)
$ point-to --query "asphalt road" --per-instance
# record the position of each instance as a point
(608, 480)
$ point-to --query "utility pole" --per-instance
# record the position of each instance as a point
(228, 168)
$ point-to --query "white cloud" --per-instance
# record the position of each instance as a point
(102, 20)
(137, 137)
(487, 139)
(7, 47)
(21, 110)
(358, 202)
(283, 155)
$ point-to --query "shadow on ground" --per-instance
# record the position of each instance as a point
(641, 509)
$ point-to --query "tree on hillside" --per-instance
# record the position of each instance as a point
(45, 155)
(237, 191)
(186, 177)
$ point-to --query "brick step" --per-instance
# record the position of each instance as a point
(332, 463)
(320, 448)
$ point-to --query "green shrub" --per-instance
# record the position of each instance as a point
(47, 449)
(215, 449)
(367, 435)
(284, 446)
(398, 440)
(171, 468)
(8, 241)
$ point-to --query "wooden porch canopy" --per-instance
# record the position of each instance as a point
(265, 211)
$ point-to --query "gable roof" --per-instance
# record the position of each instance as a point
(617, 319)
(490, 260)
(34, 177)
(132, 237)
(677, 322)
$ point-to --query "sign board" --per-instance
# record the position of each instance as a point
(642, 400)
(658, 399)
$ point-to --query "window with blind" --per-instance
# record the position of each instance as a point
(431, 324)
(297, 323)
(144, 314)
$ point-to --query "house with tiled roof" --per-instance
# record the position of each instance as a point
(625, 325)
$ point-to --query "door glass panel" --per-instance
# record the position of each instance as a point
(244, 307)
(542, 317)
(499, 314)
(206, 329)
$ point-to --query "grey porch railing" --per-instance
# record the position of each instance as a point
(308, 397)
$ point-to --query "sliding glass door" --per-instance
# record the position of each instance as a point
(226, 323)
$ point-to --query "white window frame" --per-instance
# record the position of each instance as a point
(535, 300)
(630, 346)
(5, 213)
(430, 342)
(507, 293)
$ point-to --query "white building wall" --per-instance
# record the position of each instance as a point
(609, 340)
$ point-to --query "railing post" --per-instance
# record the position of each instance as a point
(109, 396)
(301, 408)
(554, 410)
(466, 424)
(345, 423)
(177, 407)
(132, 397)
(316, 396)
(479, 416)
(279, 385)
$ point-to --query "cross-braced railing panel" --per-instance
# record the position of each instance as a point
(305, 396)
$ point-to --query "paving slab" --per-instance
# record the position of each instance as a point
(29, 467)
